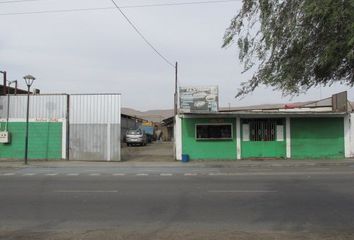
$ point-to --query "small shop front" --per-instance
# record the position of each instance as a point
(233, 136)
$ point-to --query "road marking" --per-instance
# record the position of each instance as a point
(217, 174)
(8, 174)
(166, 174)
(29, 174)
(142, 174)
(288, 173)
(242, 191)
(318, 169)
(95, 174)
(190, 174)
(118, 174)
(86, 191)
(259, 169)
(51, 174)
(72, 174)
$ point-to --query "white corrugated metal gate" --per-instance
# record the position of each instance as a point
(94, 127)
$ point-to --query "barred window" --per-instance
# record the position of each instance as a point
(262, 129)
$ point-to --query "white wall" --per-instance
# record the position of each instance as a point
(349, 135)
(288, 137)
(178, 137)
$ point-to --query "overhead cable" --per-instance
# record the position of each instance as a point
(144, 5)
(141, 35)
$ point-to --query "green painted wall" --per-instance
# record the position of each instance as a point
(317, 138)
(45, 141)
(263, 149)
(207, 149)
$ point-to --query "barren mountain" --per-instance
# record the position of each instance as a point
(151, 115)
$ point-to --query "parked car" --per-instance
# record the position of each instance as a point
(136, 137)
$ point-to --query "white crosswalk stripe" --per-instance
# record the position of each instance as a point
(8, 174)
(29, 174)
(190, 174)
(161, 174)
(142, 174)
(118, 174)
(51, 174)
(217, 174)
(166, 174)
(95, 174)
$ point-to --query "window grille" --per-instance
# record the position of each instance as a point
(263, 129)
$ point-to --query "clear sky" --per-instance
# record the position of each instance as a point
(98, 51)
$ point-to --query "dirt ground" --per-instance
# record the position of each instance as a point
(153, 152)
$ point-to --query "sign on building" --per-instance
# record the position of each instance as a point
(198, 99)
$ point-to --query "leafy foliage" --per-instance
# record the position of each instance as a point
(296, 44)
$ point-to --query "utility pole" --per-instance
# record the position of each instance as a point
(175, 112)
(176, 95)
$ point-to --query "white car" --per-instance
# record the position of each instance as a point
(135, 137)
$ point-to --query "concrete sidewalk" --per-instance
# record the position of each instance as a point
(209, 164)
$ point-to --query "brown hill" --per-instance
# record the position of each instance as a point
(151, 115)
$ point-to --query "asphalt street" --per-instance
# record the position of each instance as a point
(177, 203)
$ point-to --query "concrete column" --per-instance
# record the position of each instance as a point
(288, 138)
(238, 138)
(109, 142)
(64, 138)
(178, 138)
(348, 135)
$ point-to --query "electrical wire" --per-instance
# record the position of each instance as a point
(57, 11)
(109, 8)
(179, 4)
(141, 35)
(119, 8)
(147, 5)
(18, 1)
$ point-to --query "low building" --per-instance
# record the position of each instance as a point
(167, 129)
(129, 122)
(320, 129)
(15, 90)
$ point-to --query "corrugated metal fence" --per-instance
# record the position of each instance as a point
(91, 122)
(95, 127)
(41, 106)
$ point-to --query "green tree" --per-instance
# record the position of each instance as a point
(294, 45)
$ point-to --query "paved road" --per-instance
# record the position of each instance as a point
(176, 203)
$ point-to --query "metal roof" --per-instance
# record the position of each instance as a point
(265, 114)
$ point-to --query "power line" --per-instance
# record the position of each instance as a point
(145, 5)
(108, 8)
(18, 1)
(57, 11)
(179, 4)
(141, 35)
(120, 10)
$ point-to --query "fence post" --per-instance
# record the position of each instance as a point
(67, 127)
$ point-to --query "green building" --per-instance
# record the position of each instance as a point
(316, 130)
